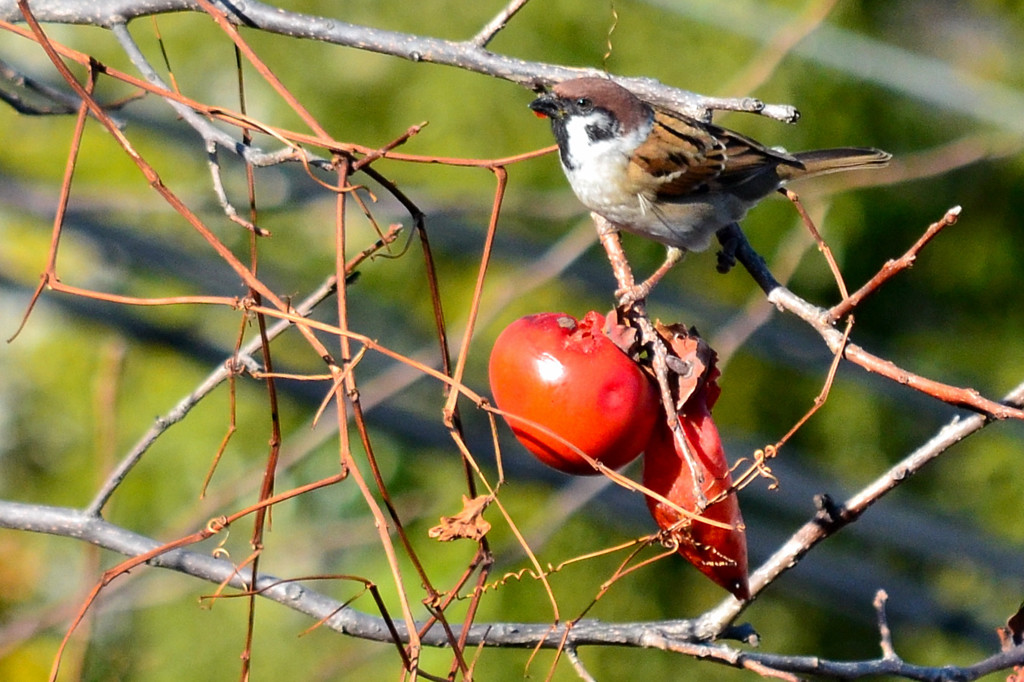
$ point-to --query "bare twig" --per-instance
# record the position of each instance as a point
(893, 267)
(687, 637)
(213, 163)
(820, 320)
(823, 246)
(885, 633)
(637, 317)
(577, 664)
(465, 55)
(499, 22)
(217, 377)
(57, 102)
(833, 517)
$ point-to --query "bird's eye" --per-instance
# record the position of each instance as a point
(584, 104)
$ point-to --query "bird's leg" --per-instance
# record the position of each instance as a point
(735, 242)
(638, 292)
(730, 237)
(629, 292)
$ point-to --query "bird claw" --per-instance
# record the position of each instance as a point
(627, 296)
(726, 260)
(637, 292)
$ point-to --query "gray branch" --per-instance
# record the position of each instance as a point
(467, 54)
(72, 523)
(691, 636)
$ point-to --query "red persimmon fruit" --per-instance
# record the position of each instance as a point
(565, 381)
(719, 553)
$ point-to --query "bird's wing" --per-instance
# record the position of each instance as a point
(683, 156)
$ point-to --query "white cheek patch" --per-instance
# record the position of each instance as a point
(596, 165)
(583, 149)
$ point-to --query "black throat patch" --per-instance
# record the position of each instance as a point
(562, 138)
(600, 131)
(604, 129)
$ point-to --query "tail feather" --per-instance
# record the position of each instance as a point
(822, 161)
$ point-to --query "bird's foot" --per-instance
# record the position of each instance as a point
(627, 296)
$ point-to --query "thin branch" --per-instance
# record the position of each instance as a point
(213, 163)
(677, 636)
(13, 81)
(465, 55)
(833, 517)
(884, 631)
(487, 33)
(821, 320)
(217, 377)
(893, 267)
(577, 664)
(966, 398)
(209, 132)
(823, 246)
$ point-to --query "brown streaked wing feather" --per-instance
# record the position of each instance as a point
(677, 158)
(686, 156)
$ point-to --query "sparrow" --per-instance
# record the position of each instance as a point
(664, 175)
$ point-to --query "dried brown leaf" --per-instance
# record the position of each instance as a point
(467, 523)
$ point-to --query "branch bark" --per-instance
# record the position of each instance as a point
(679, 636)
(467, 54)
(822, 321)
(694, 637)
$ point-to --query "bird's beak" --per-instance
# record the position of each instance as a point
(547, 106)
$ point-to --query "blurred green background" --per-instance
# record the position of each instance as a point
(936, 83)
